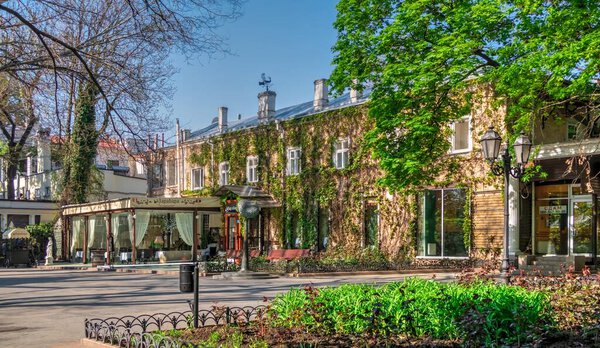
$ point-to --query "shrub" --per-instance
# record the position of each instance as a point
(417, 308)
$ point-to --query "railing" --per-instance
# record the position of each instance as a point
(146, 331)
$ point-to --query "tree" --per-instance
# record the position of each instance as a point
(17, 120)
(424, 57)
(120, 49)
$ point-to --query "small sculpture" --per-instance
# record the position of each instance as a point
(49, 247)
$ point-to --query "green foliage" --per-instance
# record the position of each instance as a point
(425, 60)
(416, 308)
(39, 235)
(78, 177)
(316, 186)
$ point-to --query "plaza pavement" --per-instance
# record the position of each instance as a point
(47, 308)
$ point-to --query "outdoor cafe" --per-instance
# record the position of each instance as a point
(135, 230)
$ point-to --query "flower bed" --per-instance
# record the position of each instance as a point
(534, 311)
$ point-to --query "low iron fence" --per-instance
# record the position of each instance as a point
(147, 331)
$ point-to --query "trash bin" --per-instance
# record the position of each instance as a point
(186, 278)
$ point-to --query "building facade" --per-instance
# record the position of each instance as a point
(311, 159)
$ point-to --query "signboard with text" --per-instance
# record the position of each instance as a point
(553, 209)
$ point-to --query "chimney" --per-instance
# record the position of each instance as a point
(185, 134)
(320, 100)
(156, 141)
(266, 105)
(355, 94)
(222, 119)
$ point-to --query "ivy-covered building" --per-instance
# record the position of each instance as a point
(311, 160)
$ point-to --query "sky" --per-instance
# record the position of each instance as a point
(288, 40)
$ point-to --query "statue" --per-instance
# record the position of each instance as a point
(49, 247)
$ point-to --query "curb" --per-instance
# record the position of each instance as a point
(399, 272)
(86, 342)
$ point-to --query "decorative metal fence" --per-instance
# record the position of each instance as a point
(147, 331)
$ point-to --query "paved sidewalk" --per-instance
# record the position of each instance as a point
(47, 308)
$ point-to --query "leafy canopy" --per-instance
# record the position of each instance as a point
(423, 58)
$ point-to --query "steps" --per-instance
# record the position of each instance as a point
(553, 265)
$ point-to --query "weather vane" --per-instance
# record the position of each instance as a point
(266, 81)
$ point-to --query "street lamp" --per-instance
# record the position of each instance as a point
(490, 147)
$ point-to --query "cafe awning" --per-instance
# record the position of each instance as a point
(262, 199)
(16, 233)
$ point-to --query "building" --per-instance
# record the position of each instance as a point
(316, 183)
(39, 169)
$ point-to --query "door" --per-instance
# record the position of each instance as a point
(233, 236)
(581, 225)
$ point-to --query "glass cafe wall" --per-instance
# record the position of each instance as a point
(96, 233)
(563, 220)
(163, 230)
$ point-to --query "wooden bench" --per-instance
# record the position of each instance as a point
(237, 254)
(287, 254)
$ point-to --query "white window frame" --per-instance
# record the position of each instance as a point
(195, 185)
(224, 173)
(340, 149)
(252, 169)
(171, 172)
(469, 140)
(297, 157)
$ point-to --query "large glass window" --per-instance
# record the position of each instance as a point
(441, 223)
(371, 225)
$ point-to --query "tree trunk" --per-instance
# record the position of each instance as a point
(11, 174)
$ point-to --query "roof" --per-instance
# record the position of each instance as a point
(263, 199)
(287, 113)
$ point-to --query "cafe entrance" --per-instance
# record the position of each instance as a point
(564, 220)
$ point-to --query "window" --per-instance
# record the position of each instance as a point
(252, 168)
(34, 165)
(224, 173)
(293, 165)
(461, 135)
(112, 163)
(157, 176)
(340, 156)
(371, 224)
(139, 168)
(440, 223)
(323, 229)
(171, 172)
(197, 178)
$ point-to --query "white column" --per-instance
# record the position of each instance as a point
(31, 219)
(513, 216)
(3, 224)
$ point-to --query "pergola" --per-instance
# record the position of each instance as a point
(129, 218)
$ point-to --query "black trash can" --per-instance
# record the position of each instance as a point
(186, 278)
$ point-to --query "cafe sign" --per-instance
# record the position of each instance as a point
(553, 209)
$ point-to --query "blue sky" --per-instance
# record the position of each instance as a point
(288, 40)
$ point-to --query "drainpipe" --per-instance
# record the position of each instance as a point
(279, 127)
(178, 158)
(212, 161)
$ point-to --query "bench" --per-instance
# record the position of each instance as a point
(287, 254)
(237, 254)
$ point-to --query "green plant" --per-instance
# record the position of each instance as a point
(417, 308)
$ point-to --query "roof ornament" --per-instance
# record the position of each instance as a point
(266, 81)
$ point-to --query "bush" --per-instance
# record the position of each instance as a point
(418, 308)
